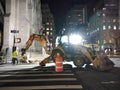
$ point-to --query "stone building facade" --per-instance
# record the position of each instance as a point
(23, 16)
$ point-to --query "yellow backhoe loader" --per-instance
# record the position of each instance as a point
(79, 54)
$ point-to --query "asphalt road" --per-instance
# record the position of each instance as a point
(45, 78)
(38, 78)
(96, 80)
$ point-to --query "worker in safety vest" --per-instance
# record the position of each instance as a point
(14, 57)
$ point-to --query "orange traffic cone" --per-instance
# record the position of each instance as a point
(59, 63)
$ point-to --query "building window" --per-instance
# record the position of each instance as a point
(80, 19)
(119, 27)
(103, 14)
(69, 16)
(110, 41)
(104, 41)
(114, 27)
(51, 29)
(109, 27)
(114, 20)
(104, 27)
(104, 8)
(79, 15)
(47, 28)
(47, 23)
(108, 20)
(47, 33)
(50, 23)
(51, 33)
(98, 29)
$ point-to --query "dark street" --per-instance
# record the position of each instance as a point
(40, 78)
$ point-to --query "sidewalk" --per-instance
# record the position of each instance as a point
(9, 66)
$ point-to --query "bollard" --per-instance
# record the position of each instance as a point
(58, 63)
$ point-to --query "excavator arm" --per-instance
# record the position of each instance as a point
(42, 39)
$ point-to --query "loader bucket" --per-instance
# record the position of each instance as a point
(103, 63)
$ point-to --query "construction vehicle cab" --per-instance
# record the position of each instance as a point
(71, 49)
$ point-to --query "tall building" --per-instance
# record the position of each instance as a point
(21, 19)
(76, 19)
(104, 25)
(48, 24)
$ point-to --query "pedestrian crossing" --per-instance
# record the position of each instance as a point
(39, 79)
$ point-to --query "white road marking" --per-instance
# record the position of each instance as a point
(35, 80)
(56, 74)
(43, 87)
(109, 82)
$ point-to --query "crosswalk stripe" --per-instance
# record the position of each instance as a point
(43, 87)
(35, 80)
(5, 75)
(22, 75)
(39, 79)
(43, 71)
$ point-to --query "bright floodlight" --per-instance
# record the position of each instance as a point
(75, 39)
(64, 39)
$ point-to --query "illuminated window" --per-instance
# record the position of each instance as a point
(103, 14)
(104, 41)
(109, 27)
(98, 29)
(114, 27)
(47, 23)
(104, 27)
(51, 28)
(114, 20)
(47, 33)
(51, 33)
(110, 41)
(79, 15)
(47, 28)
(104, 8)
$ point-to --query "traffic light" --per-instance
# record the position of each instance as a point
(17, 40)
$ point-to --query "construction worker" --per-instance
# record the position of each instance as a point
(14, 57)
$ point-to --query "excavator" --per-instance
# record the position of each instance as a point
(79, 54)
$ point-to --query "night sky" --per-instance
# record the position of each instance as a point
(59, 8)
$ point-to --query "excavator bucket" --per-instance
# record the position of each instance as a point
(103, 63)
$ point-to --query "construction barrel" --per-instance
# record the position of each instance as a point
(58, 63)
